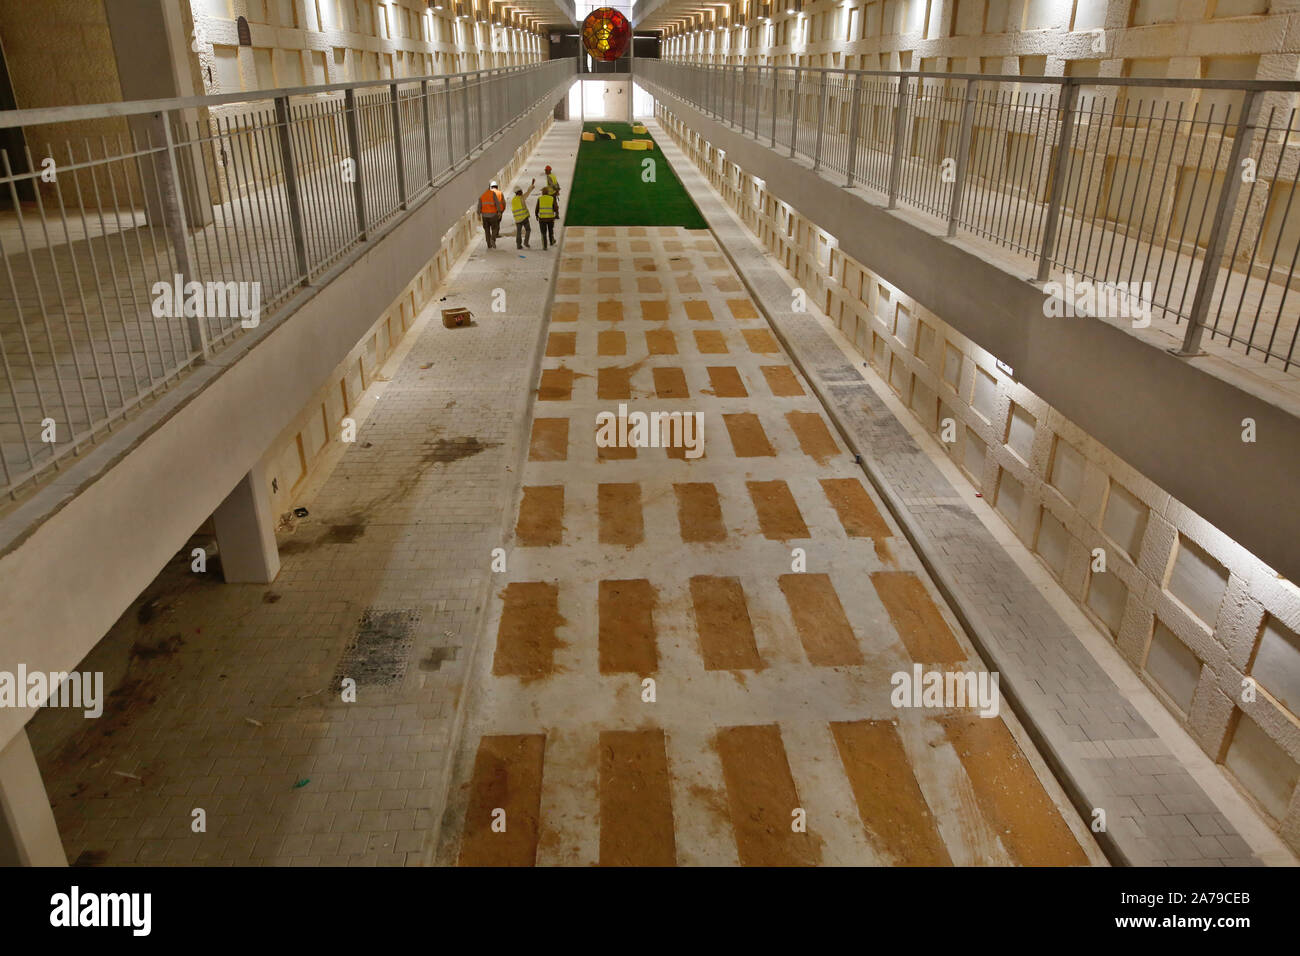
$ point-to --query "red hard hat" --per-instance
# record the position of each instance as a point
(548, 169)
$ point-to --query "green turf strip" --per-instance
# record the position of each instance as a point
(608, 190)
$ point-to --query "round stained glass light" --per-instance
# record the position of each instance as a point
(605, 33)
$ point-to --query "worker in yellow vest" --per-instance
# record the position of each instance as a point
(491, 206)
(553, 184)
(519, 209)
(548, 210)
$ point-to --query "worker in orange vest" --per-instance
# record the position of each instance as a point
(491, 206)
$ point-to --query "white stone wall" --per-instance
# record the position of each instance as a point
(313, 42)
(1192, 611)
(1168, 38)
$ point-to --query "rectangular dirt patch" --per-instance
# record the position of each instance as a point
(747, 436)
(611, 342)
(856, 511)
(670, 383)
(760, 341)
(916, 618)
(815, 438)
(698, 311)
(614, 382)
(742, 309)
(609, 310)
(661, 342)
(710, 342)
(636, 807)
(550, 440)
(619, 506)
(891, 805)
(723, 624)
(781, 380)
(541, 516)
(699, 513)
(526, 636)
(654, 310)
(762, 797)
(819, 618)
(507, 777)
(778, 514)
(561, 344)
(556, 385)
(564, 312)
(726, 382)
(649, 284)
(1010, 794)
(627, 628)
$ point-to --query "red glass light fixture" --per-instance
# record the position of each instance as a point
(605, 33)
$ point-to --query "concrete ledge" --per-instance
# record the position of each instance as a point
(85, 546)
(1177, 421)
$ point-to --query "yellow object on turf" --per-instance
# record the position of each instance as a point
(638, 144)
(639, 129)
(589, 137)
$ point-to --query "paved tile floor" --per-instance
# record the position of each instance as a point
(688, 659)
(1157, 811)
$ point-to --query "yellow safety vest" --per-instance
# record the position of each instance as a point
(552, 181)
(519, 208)
(545, 206)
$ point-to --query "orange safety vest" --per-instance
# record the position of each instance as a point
(491, 203)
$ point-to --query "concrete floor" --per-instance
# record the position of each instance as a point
(655, 684)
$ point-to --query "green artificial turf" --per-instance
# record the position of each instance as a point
(608, 190)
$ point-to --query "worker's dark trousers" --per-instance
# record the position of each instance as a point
(523, 232)
(491, 229)
(548, 231)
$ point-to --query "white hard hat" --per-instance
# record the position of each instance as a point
(493, 184)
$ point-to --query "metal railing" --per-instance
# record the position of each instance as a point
(139, 237)
(1177, 195)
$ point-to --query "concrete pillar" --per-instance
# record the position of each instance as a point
(246, 532)
(28, 834)
(151, 42)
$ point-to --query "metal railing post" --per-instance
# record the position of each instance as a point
(354, 151)
(398, 152)
(853, 129)
(446, 101)
(794, 112)
(1217, 240)
(900, 127)
(482, 132)
(169, 180)
(469, 143)
(731, 106)
(291, 192)
(744, 98)
(776, 73)
(1052, 220)
(428, 128)
(963, 157)
(821, 120)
